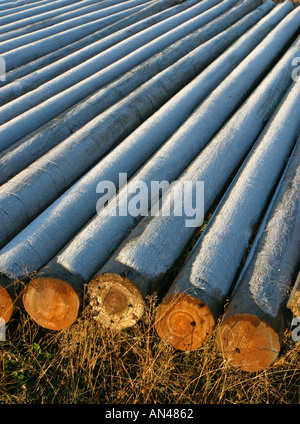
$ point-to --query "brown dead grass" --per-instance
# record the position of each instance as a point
(88, 364)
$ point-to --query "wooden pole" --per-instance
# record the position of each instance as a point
(252, 327)
(199, 292)
(95, 243)
(162, 240)
(96, 63)
(105, 131)
(33, 146)
(21, 86)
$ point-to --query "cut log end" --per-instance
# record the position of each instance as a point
(51, 303)
(247, 342)
(6, 305)
(184, 322)
(115, 301)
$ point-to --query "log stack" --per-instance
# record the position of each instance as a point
(142, 91)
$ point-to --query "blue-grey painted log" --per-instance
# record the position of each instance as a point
(52, 17)
(30, 148)
(162, 240)
(187, 315)
(158, 35)
(31, 51)
(252, 327)
(20, 208)
(93, 245)
(13, 44)
(37, 116)
(294, 299)
(21, 86)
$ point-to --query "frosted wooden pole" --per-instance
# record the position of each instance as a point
(20, 86)
(106, 131)
(163, 239)
(97, 63)
(252, 327)
(194, 302)
(94, 244)
(38, 143)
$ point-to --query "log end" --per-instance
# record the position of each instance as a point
(184, 321)
(248, 342)
(115, 301)
(6, 305)
(51, 303)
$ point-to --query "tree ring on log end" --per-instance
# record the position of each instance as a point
(115, 301)
(6, 305)
(52, 303)
(184, 322)
(248, 342)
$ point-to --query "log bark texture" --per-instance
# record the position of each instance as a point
(252, 327)
(207, 276)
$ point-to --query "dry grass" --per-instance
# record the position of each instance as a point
(88, 364)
